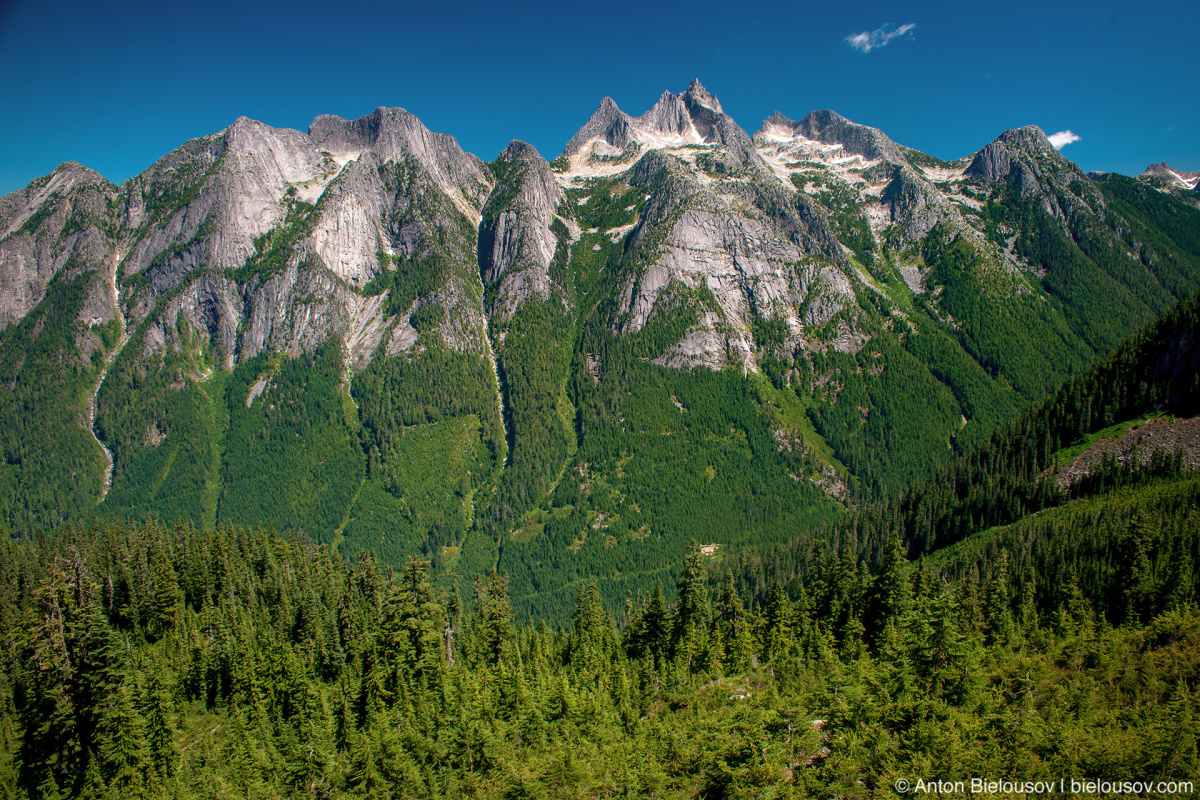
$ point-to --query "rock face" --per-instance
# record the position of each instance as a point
(303, 215)
(1022, 153)
(266, 239)
(831, 128)
(720, 237)
(516, 244)
(714, 242)
(57, 223)
(862, 170)
(608, 124)
(392, 134)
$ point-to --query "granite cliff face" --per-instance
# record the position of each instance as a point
(516, 243)
(298, 224)
(58, 223)
(718, 235)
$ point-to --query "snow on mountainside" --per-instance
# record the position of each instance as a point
(1181, 180)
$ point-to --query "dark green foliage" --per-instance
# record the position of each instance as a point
(1011, 475)
(283, 671)
(52, 468)
(1106, 294)
(768, 333)
(1131, 553)
(407, 280)
(612, 204)
(867, 409)
(533, 363)
(427, 317)
(664, 456)
(433, 436)
(290, 458)
(165, 428)
(1015, 336)
(984, 401)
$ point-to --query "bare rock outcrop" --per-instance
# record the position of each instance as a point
(516, 243)
(608, 123)
(56, 223)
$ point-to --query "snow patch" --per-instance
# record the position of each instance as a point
(599, 159)
(1190, 183)
(787, 154)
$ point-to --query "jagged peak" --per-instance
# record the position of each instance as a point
(776, 120)
(695, 112)
(824, 117)
(1010, 153)
(1164, 170)
(697, 93)
(364, 131)
(607, 122)
(669, 114)
(62, 178)
(607, 111)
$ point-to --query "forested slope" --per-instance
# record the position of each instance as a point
(147, 661)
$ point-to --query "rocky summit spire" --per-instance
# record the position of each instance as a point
(608, 122)
(696, 93)
(668, 115)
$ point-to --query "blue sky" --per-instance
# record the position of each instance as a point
(117, 85)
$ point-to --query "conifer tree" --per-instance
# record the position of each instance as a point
(692, 614)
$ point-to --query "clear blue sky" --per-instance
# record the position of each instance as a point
(116, 85)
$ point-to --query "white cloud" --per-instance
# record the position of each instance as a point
(1062, 138)
(869, 40)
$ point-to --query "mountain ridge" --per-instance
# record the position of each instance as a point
(366, 333)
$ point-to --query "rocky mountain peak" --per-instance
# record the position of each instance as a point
(519, 150)
(777, 120)
(516, 243)
(1023, 152)
(668, 115)
(1027, 136)
(375, 130)
(692, 117)
(696, 93)
(392, 134)
(1173, 177)
(829, 127)
(607, 122)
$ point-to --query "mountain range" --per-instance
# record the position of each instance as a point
(565, 370)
